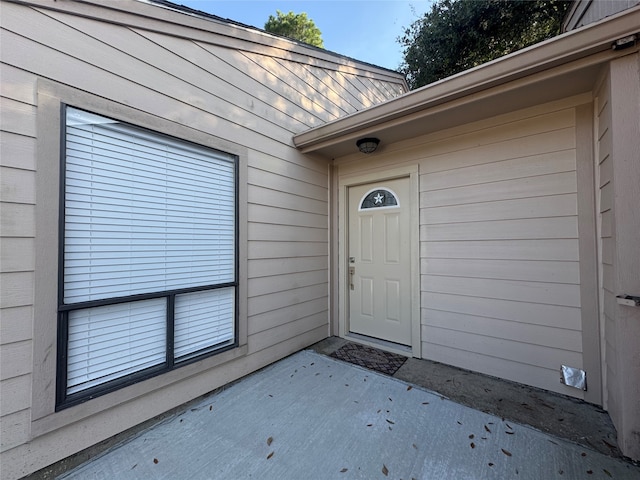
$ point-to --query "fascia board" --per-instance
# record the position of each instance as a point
(563, 49)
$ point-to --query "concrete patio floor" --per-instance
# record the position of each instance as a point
(559, 415)
(310, 416)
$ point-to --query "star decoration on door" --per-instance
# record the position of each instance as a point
(379, 198)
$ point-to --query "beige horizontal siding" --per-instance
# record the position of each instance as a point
(535, 228)
(274, 318)
(17, 254)
(288, 201)
(312, 323)
(563, 339)
(543, 207)
(16, 324)
(532, 180)
(277, 266)
(281, 216)
(548, 249)
(17, 151)
(16, 394)
(519, 291)
(284, 282)
(274, 301)
(511, 199)
(14, 430)
(292, 186)
(516, 311)
(16, 359)
(526, 270)
(17, 262)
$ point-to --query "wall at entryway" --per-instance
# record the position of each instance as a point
(500, 243)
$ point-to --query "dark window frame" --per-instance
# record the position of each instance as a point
(64, 400)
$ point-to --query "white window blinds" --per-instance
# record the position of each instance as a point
(143, 212)
(109, 342)
(202, 320)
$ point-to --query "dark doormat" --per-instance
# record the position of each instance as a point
(372, 358)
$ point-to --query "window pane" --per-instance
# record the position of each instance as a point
(143, 212)
(203, 320)
(110, 342)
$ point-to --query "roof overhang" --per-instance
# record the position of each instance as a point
(565, 65)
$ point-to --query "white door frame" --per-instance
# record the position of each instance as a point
(346, 181)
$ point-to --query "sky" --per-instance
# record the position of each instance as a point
(366, 30)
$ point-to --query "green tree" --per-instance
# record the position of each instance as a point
(296, 26)
(460, 34)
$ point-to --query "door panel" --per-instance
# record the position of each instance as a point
(379, 261)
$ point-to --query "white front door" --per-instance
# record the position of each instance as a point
(378, 260)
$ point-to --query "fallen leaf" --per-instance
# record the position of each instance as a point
(369, 424)
(344, 470)
(210, 407)
(506, 452)
(471, 436)
(270, 455)
(385, 470)
(389, 421)
(155, 460)
(137, 465)
(472, 445)
(414, 446)
(313, 363)
(490, 464)
(425, 403)
(487, 429)
(459, 422)
(509, 426)
(269, 441)
(590, 472)
(181, 420)
(409, 388)
(583, 454)
(390, 399)
(509, 433)
(607, 472)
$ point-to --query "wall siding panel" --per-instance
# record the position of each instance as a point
(499, 252)
(531, 247)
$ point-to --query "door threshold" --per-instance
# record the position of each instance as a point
(379, 343)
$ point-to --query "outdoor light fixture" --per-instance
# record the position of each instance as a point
(624, 42)
(367, 145)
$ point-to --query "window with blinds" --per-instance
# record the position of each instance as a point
(148, 250)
